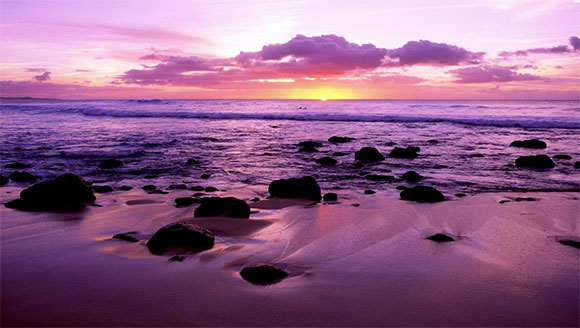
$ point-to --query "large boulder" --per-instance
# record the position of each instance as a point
(227, 206)
(422, 194)
(263, 274)
(111, 163)
(305, 187)
(180, 235)
(67, 191)
(535, 161)
(409, 152)
(335, 139)
(532, 143)
(368, 154)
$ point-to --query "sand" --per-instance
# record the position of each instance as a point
(349, 266)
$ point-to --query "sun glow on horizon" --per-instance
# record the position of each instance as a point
(323, 98)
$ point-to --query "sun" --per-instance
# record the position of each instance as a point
(323, 98)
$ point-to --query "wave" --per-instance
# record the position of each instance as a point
(482, 120)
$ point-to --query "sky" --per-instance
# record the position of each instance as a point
(303, 49)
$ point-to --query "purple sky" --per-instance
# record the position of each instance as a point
(494, 49)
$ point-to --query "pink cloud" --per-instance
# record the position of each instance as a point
(425, 52)
(485, 74)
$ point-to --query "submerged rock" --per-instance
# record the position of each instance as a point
(330, 196)
(192, 161)
(67, 191)
(227, 206)
(422, 194)
(263, 274)
(181, 186)
(125, 237)
(16, 165)
(327, 160)
(3, 180)
(535, 161)
(532, 143)
(111, 163)
(412, 176)
(308, 149)
(180, 235)
(409, 152)
(149, 188)
(310, 144)
(379, 177)
(562, 156)
(102, 189)
(368, 154)
(335, 139)
(440, 238)
(22, 176)
(577, 165)
(369, 192)
(305, 187)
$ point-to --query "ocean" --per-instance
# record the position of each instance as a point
(245, 144)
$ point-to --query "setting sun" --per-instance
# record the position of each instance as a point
(323, 98)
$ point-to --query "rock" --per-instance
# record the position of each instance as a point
(402, 187)
(210, 189)
(125, 188)
(180, 186)
(255, 199)
(180, 235)
(192, 161)
(412, 176)
(263, 274)
(310, 144)
(308, 149)
(149, 187)
(477, 155)
(409, 152)
(125, 237)
(21, 176)
(227, 206)
(177, 258)
(440, 238)
(101, 189)
(532, 143)
(562, 156)
(422, 194)
(503, 201)
(433, 141)
(369, 192)
(204, 176)
(66, 192)
(111, 163)
(3, 180)
(577, 165)
(460, 195)
(526, 199)
(198, 194)
(330, 196)
(356, 205)
(197, 188)
(16, 165)
(184, 201)
(338, 154)
(390, 143)
(267, 154)
(305, 187)
(570, 242)
(535, 161)
(368, 154)
(157, 191)
(335, 139)
(326, 161)
(379, 177)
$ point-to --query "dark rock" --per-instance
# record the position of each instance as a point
(441, 166)
(66, 192)
(338, 154)
(198, 194)
(562, 156)
(503, 201)
(526, 199)
(412, 176)
(126, 237)
(330, 196)
(368, 154)
(227, 206)
(197, 188)
(102, 189)
(533, 143)
(310, 144)
(18, 148)
(3, 180)
(204, 176)
(535, 161)
(326, 161)
(577, 165)
(390, 143)
(422, 194)
(255, 199)
(184, 201)
(460, 195)
(379, 177)
(440, 238)
(180, 235)
(308, 149)
(409, 152)
(267, 154)
(16, 165)
(111, 163)
(369, 192)
(21, 176)
(263, 274)
(570, 242)
(305, 187)
(149, 187)
(157, 191)
(433, 141)
(180, 186)
(177, 258)
(356, 205)
(151, 176)
(477, 155)
(192, 161)
(335, 139)
(402, 187)
(210, 189)
(125, 188)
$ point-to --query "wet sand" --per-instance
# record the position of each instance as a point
(349, 266)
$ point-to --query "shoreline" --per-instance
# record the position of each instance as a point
(350, 266)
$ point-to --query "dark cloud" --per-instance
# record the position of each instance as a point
(35, 70)
(561, 49)
(574, 42)
(485, 74)
(42, 77)
(430, 53)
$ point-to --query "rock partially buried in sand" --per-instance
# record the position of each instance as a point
(570, 242)
(532, 143)
(263, 274)
(412, 176)
(305, 187)
(308, 149)
(409, 152)
(102, 189)
(369, 154)
(67, 191)
(227, 206)
(330, 196)
(111, 163)
(125, 237)
(369, 192)
(180, 235)
(16, 165)
(535, 161)
(335, 139)
(21, 176)
(440, 238)
(422, 194)
(327, 160)
(184, 201)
